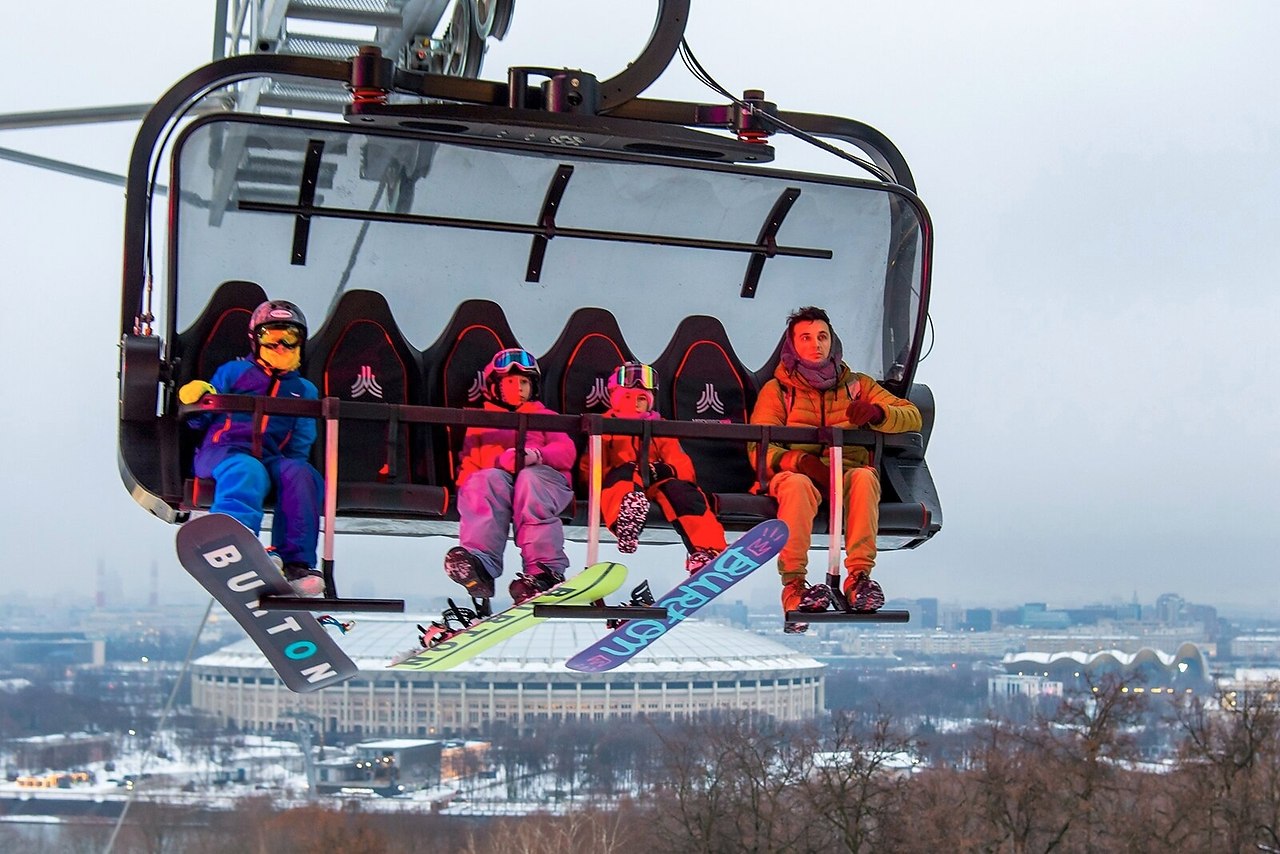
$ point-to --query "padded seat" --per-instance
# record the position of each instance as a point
(575, 378)
(360, 356)
(701, 379)
(453, 369)
(220, 334)
(575, 371)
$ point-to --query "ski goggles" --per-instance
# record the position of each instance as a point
(279, 338)
(635, 375)
(507, 360)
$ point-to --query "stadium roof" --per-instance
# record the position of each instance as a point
(694, 647)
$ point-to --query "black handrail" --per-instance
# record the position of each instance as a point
(572, 424)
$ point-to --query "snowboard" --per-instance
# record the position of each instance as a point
(746, 554)
(229, 561)
(594, 582)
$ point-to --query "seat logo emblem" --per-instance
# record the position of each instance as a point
(366, 383)
(599, 394)
(476, 392)
(709, 402)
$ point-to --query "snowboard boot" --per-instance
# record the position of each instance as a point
(632, 514)
(698, 558)
(305, 581)
(799, 595)
(863, 593)
(465, 568)
(534, 580)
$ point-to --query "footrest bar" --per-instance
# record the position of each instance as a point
(302, 603)
(599, 612)
(848, 617)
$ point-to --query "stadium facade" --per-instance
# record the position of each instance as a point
(701, 667)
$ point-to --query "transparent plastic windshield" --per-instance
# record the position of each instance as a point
(621, 238)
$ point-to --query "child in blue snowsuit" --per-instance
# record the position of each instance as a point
(277, 332)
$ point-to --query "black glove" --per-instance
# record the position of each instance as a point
(861, 413)
(660, 471)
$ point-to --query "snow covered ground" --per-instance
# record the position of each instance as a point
(273, 769)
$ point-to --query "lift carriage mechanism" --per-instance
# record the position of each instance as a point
(441, 218)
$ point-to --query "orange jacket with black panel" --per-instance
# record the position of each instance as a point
(619, 450)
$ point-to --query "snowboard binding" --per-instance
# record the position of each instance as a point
(453, 619)
(641, 597)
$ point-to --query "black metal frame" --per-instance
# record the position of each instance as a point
(617, 100)
(660, 130)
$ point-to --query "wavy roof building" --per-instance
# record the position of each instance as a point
(1187, 668)
(699, 667)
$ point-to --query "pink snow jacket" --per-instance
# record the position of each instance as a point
(483, 445)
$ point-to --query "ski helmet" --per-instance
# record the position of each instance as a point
(634, 375)
(276, 314)
(513, 360)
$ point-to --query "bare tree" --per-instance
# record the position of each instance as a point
(852, 784)
(727, 786)
(1226, 792)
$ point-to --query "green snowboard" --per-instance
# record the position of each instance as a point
(594, 582)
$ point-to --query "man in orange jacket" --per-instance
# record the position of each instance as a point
(813, 387)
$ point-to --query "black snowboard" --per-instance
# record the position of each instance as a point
(229, 561)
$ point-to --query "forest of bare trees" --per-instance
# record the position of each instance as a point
(1070, 781)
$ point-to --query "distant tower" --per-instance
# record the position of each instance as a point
(153, 601)
(100, 596)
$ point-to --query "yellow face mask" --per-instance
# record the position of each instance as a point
(280, 349)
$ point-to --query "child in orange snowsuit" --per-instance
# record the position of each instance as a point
(625, 498)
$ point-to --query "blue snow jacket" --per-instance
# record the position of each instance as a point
(232, 432)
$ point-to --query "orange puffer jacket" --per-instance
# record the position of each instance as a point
(788, 401)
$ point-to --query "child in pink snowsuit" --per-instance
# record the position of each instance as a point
(495, 491)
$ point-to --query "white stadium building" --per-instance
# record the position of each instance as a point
(699, 667)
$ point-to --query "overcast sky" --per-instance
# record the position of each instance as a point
(1103, 181)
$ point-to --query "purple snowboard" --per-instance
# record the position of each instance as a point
(746, 554)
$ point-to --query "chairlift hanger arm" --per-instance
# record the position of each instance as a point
(640, 73)
(664, 41)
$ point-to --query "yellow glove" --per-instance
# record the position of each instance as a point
(194, 390)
